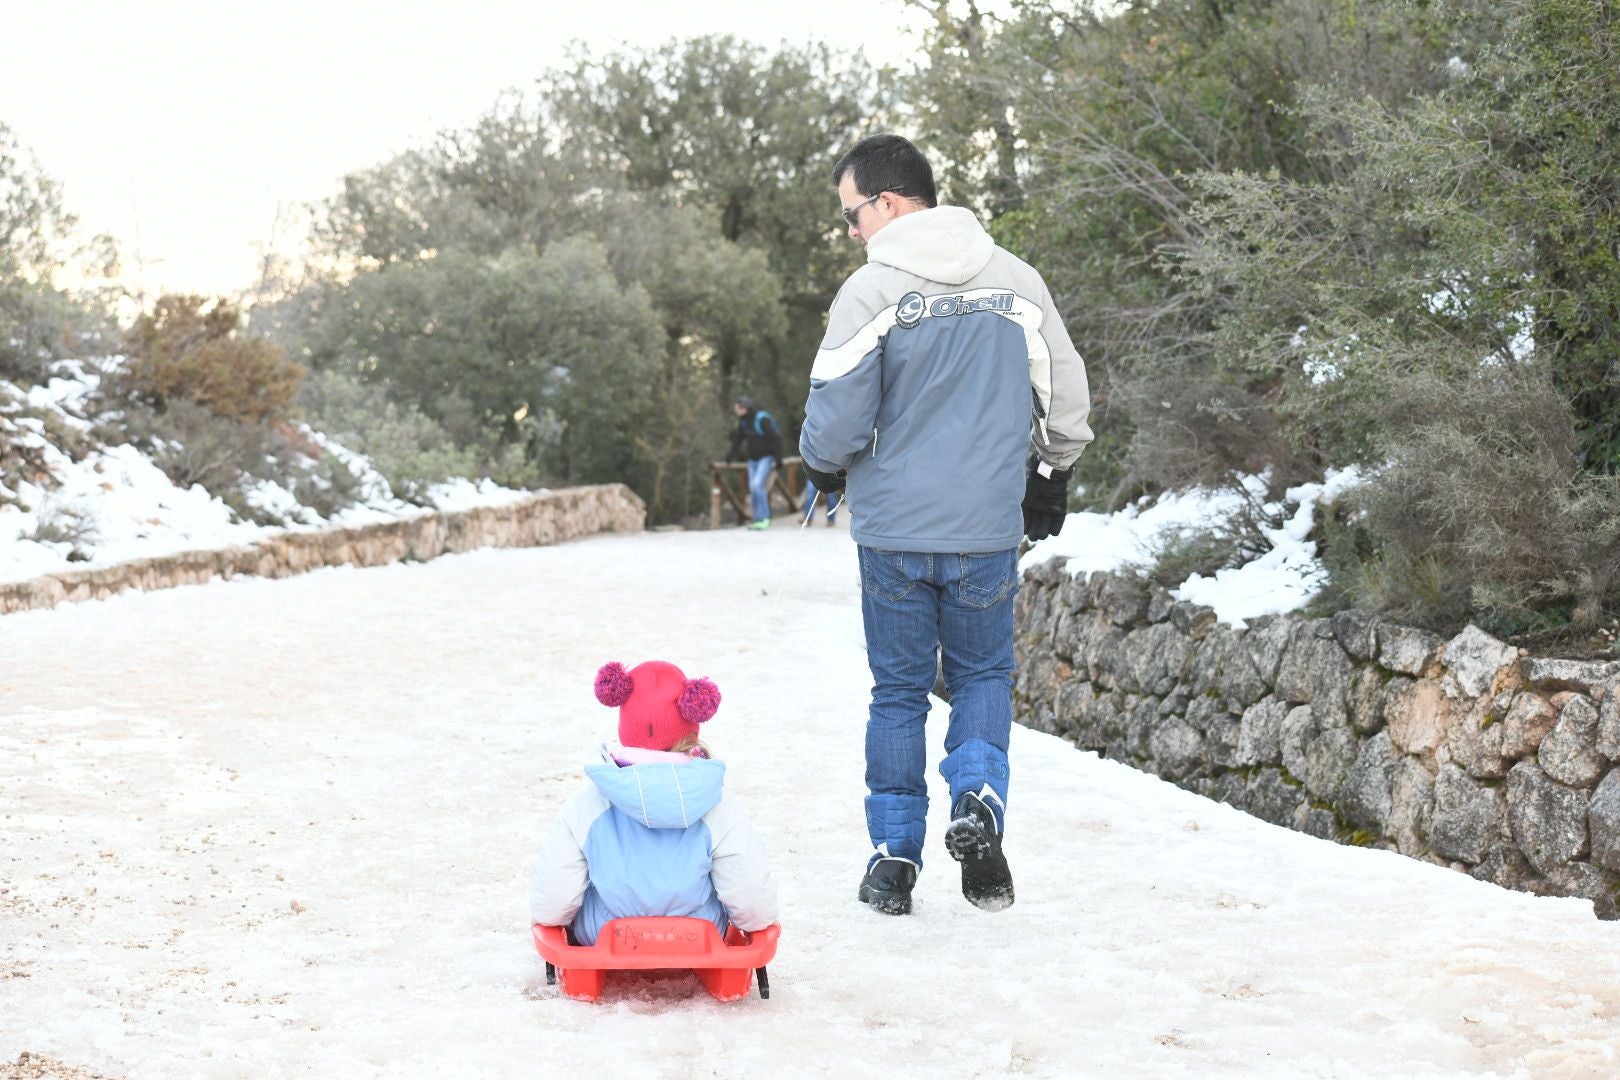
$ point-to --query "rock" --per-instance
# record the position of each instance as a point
(1096, 644)
(1411, 806)
(1159, 604)
(1475, 741)
(1153, 655)
(1270, 797)
(1103, 720)
(1480, 662)
(1506, 866)
(1221, 741)
(1367, 688)
(1585, 881)
(1177, 748)
(1265, 641)
(1072, 709)
(1569, 752)
(1585, 676)
(1407, 649)
(1603, 821)
(1192, 619)
(1174, 703)
(1365, 798)
(1203, 709)
(1418, 716)
(1229, 789)
(1122, 598)
(1223, 666)
(1469, 818)
(1354, 631)
(1547, 819)
(1140, 716)
(1608, 732)
(1260, 733)
(1037, 676)
(1317, 750)
(1528, 721)
(1315, 670)
(1314, 821)
(1074, 592)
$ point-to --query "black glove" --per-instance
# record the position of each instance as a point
(1046, 499)
(826, 483)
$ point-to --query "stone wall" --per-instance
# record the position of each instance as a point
(548, 517)
(1466, 753)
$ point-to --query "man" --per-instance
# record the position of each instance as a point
(757, 431)
(948, 397)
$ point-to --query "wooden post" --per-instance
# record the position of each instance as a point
(714, 507)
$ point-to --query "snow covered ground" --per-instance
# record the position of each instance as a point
(282, 828)
(123, 507)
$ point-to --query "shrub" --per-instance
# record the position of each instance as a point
(64, 523)
(408, 448)
(190, 348)
(193, 445)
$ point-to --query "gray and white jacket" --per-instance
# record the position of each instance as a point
(944, 363)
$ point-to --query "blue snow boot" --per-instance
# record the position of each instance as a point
(974, 841)
(887, 885)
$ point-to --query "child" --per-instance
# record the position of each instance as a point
(653, 833)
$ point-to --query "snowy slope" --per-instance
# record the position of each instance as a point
(282, 828)
(126, 508)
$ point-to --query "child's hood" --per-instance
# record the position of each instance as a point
(664, 796)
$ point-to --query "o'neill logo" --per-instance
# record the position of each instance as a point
(955, 305)
(909, 312)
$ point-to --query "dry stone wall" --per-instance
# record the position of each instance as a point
(548, 517)
(1462, 752)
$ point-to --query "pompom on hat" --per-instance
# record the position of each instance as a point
(658, 705)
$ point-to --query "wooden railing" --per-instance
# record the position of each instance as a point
(728, 483)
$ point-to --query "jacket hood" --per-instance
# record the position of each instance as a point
(662, 796)
(943, 243)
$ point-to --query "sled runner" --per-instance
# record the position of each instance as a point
(726, 966)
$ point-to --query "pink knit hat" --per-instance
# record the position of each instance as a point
(658, 705)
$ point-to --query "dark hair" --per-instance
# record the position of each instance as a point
(744, 400)
(888, 163)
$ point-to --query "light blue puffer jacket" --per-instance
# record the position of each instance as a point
(656, 839)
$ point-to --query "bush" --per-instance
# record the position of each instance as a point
(193, 445)
(410, 449)
(64, 523)
(189, 348)
(231, 458)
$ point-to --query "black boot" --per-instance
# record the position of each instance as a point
(887, 886)
(974, 841)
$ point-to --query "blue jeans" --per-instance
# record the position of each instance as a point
(759, 479)
(830, 502)
(911, 602)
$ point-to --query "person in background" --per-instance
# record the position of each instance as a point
(829, 503)
(758, 435)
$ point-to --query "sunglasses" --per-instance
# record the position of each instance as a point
(854, 212)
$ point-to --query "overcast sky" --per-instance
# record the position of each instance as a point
(183, 128)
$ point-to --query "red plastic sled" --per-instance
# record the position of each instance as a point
(659, 942)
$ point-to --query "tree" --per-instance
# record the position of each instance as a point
(749, 136)
(481, 343)
(36, 318)
(1438, 305)
(1113, 109)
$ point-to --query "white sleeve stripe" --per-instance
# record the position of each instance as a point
(840, 360)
